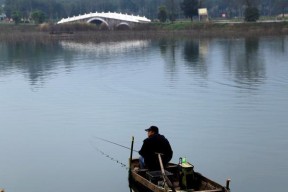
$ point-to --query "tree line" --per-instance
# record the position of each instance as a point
(153, 9)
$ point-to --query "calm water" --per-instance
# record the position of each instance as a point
(222, 103)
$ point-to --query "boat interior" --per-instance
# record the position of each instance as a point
(183, 178)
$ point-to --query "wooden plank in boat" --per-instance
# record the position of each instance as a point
(146, 183)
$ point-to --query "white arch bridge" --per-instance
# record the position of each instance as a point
(110, 20)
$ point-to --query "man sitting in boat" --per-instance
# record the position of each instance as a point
(155, 143)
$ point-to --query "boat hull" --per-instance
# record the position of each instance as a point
(140, 180)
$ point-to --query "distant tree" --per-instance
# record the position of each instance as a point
(7, 8)
(281, 6)
(56, 9)
(1, 8)
(38, 16)
(251, 14)
(171, 9)
(190, 8)
(16, 17)
(162, 13)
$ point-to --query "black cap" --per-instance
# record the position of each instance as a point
(153, 128)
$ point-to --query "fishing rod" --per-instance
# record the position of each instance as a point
(115, 143)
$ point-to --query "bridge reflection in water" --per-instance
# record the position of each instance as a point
(107, 49)
(111, 20)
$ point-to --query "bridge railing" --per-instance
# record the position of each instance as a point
(110, 15)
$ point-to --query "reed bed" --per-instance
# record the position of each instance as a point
(91, 33)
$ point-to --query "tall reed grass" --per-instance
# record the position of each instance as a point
(89, 32)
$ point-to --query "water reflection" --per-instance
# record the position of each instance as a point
(282, 45)
(244, 60)
(105, 49)
(192, 52)
(36, 60)
(250, 67)
(195, 55)
(278, 45)
(168, 49)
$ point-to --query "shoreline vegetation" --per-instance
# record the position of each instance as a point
(185, 29)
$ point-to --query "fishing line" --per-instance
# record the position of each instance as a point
(114, 143)
(108, 156)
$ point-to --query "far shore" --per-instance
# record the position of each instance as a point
(89, 32)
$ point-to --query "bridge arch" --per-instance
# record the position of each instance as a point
(123, 26)
(98, 21)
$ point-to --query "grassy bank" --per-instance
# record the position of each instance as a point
(225, 28)
(89, 32)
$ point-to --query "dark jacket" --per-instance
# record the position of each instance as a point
(152, 145)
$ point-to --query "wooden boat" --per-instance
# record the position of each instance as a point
(181, 177)
(174, 177)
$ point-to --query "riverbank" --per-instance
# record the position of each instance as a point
(227, 28)
(88, 32)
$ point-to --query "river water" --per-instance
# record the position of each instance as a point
(221, 102)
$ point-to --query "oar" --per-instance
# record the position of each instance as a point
(169, 183)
